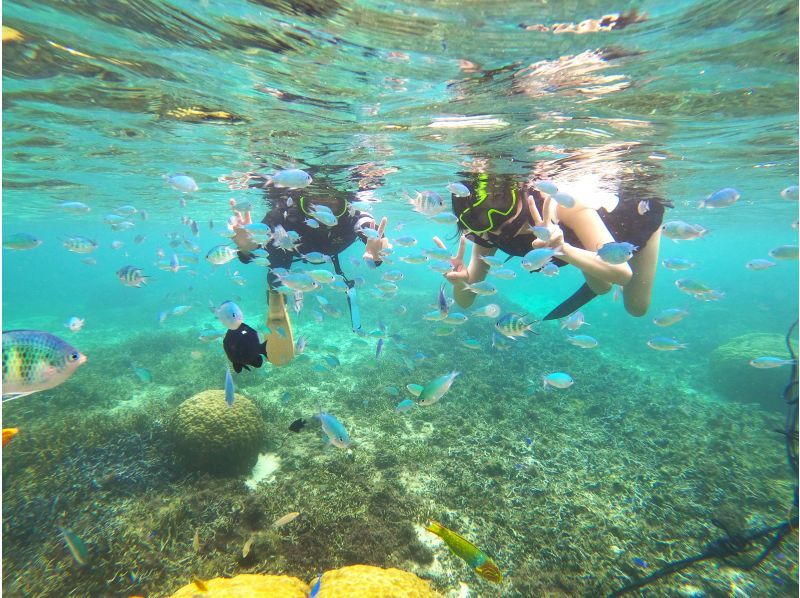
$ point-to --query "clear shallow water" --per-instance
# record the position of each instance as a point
(100, 100)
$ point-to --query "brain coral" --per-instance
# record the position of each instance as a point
(216, 437)
(249, 586)
(731, 372)
(356, 581)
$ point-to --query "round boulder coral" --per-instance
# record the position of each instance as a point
(275, 586)
(365, 581)
(216, 437)
(731, 372)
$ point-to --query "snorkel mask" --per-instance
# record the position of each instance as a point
(306, 205)
(477, 218)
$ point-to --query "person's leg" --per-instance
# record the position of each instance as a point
(280, 341)
(638, 291)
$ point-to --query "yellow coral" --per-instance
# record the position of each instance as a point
(365, 581)
(246, 586)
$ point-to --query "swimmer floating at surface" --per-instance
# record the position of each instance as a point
(523, 220)
(312, 224)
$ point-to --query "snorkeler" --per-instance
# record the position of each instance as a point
(499, 213)
(315, 219)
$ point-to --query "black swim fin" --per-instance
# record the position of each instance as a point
(577, 300)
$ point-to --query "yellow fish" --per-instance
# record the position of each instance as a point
(480, 562)
(8, 434)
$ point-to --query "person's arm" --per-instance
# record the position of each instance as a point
(590, 230)
(460, 275)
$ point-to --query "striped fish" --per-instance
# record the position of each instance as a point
(34, 360)
(79, 550)
(79, 244)
(482, 564)
(131, 276)
(513, 325)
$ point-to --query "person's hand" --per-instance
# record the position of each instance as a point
(378, 244)
(241, 236)
(549, 219)
(459, 274)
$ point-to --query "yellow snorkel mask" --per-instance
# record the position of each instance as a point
(481, 220)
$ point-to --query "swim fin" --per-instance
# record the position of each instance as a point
(577, 300)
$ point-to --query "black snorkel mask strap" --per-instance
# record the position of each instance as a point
(352, 296)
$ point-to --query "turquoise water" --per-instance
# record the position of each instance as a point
(102, 99)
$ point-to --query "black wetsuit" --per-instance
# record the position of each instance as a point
(330, 240)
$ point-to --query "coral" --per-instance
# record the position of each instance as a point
(216, 437)
(730, 371)
(365, 581)
(281, 586)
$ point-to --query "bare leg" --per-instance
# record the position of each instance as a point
(638, 291)
(280, 342)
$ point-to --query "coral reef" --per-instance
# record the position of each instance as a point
(730, 372)
(279, 586)
(216, 437)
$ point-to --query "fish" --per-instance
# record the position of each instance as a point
(315, 589)
(74, 324)
(230, 395)
(143, 374)
(76, 546)
(131, 276)
(288, 518)
(291, 178)
(565, 199)
(181, 182)
(229, 314)
(459, 189)
(327, 218)
(243, 348)
(441, 301)
(721, 199)
(483, 288)
(378, 348)
(764, 363)
(584, 341)
(550, 269)
(791, 193)
(503, 273)
(784, 252)
(427, 203)
(333, 430)
(8, 434)
(492, 261)
(221, 254)
(404, 405)
(537, 258)
(139, 239)
(79, 244)
(300, 345)
(640, 562)
(445, 218)
(759, 264)
(199, 583)
(662, 343)
(74, 207)
(478, 560)
(616, 253)
(492, 310)
(433, 390)
(405, 241)
(678, 263)
(393, 276)
(471, 343)
(670, 316)
(455, 319)
(557, 380)
(247, 547)
(297, 425)
(548, 187)
(34, 360)
(21, 241)
(513, 325)
(678, 230)
(414, 259)
(574, 321)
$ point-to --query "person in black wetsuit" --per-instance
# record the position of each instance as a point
(499, 213)
(292, 209)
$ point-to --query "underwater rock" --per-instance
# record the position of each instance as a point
(246, 585)
(216, 437)
(731, 373)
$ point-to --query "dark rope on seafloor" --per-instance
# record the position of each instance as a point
(732, 544)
